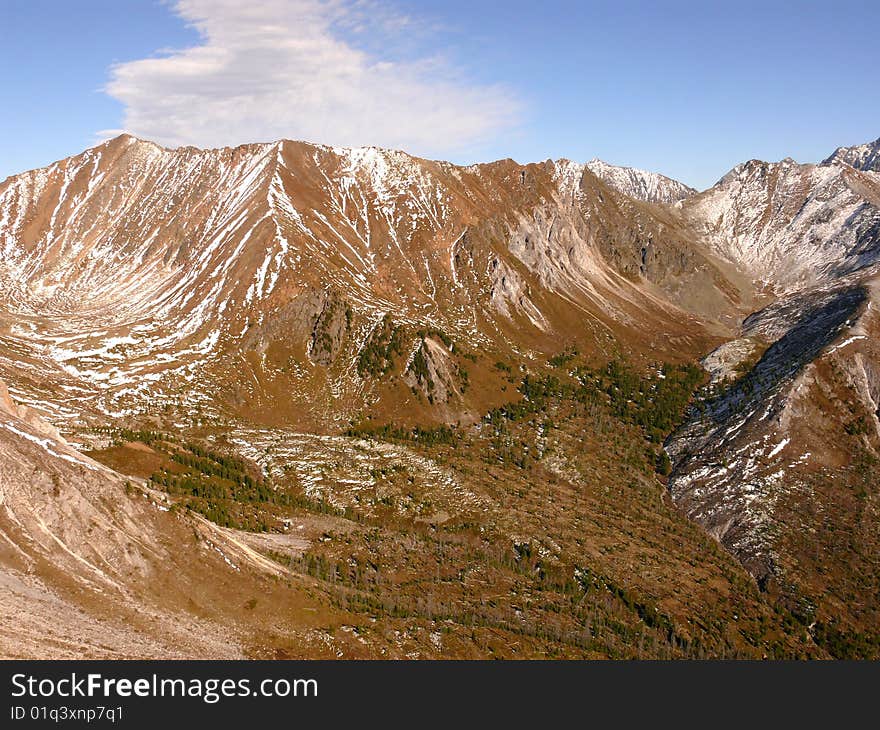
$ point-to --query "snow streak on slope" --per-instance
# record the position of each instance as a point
(119, 263)
(128, 269)
(739, 451)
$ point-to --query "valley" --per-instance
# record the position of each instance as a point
(288, 400)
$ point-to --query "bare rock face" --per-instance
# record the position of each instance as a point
(509, 294)
(7, 405)
(432, 371)
(30, 417)
(791, 226)
(330, 330)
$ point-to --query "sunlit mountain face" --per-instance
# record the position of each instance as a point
(290, 400)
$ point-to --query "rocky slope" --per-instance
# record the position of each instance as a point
(738, 444)
(770, 456)
(77, 551)
(779, 462)
(95, 564)
(279, 303)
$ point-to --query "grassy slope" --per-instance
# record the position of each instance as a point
(556, 539)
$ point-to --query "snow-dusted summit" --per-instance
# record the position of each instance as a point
(791, 225)
(652, 187)
(862, 157)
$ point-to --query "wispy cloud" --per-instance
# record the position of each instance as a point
(271, 69)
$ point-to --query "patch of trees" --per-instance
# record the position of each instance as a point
(845, 643)
(663, 464)
(420, 370)
(564, 358)
(121, 435)
(648, 613)
(858, 427)
(655, 402)
(378, 354)
(390, 432)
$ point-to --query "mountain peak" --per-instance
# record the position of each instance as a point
(864, 157)
(650, 187)
(125, 139)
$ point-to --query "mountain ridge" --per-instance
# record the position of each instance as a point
(865, 157)
(650, 187)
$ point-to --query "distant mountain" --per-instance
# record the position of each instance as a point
(650, 187)
(862, 157)
(791, 225)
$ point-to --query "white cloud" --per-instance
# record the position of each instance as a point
(272, 69)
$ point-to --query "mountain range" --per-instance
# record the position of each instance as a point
(287, 400)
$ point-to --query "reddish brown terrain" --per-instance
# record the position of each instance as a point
(287, 400)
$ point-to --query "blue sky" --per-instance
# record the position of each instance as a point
(688, 89)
